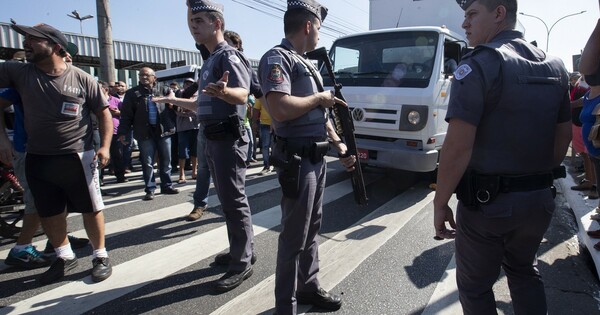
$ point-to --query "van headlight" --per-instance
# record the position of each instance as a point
(414, 117)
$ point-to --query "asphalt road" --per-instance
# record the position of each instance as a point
(381, 257)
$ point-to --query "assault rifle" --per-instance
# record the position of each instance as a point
(344, 126)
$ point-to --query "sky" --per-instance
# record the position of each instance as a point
(163, 22)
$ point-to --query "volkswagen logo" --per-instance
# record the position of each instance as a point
(358, 114)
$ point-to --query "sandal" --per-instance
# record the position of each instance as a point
(583, 185)
(181, 181)
(594, 234)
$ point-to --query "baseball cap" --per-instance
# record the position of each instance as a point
(189, 80)
(43, 31)
(72, 49)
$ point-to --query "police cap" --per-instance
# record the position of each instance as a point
(310, 5)
(204, 6)
(464, 4)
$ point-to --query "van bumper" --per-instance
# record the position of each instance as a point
(390, 155)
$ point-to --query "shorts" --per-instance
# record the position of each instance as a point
(19, 167)
(187, 143)
(59, 181)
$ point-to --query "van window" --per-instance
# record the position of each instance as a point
(403, 59)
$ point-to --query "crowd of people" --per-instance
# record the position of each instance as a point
(214, 122)
(504, 184)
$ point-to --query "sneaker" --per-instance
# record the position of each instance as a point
(169, 191)
(76, 243)
(59, 268)
(28, 258)
(224, 259)
(149, 196)
(196, 213)
(266, 170)
(102, 269)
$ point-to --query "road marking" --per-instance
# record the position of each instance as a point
(343, 253)
(83, 295)
(135, 222)
(444, 300)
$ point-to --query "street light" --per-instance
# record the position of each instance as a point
(76, 16)
(551, 27)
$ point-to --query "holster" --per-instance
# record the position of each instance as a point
(289, 174)
(226, 130)
(317, 151)
(476, 189)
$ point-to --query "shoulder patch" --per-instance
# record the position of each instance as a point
(275, 74)
(274, 60)
(234, 59)
(462, 72)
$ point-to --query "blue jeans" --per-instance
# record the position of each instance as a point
(148, 148)
(250, 143)
(127, 149)
(265, 141)
(203, 175)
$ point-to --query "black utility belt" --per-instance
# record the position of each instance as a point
(475, 188)
(314, 148)
(229, 129)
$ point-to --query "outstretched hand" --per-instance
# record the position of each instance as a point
(219, 88)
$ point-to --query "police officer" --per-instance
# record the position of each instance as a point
(301, 129)
(223, 90)
(503, 90)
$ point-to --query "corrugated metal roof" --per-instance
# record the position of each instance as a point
(129, 51)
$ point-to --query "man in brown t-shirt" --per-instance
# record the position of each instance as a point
(61, 165)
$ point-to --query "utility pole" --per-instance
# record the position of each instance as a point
(107, 58)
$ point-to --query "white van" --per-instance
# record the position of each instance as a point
(397, 83)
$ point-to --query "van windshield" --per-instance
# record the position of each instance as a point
(396, 59)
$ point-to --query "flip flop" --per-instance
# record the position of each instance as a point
(181, 181)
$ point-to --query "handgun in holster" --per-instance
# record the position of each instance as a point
(237, 129)
(289, 174)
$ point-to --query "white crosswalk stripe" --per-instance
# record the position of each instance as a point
(340, 255)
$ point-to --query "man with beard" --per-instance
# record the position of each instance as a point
(61, 165)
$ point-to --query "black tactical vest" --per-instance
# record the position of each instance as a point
(517, 131)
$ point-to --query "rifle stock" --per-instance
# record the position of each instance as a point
(344, 126)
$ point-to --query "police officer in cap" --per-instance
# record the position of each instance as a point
(504, 89)
(289, 82)
(223, 89)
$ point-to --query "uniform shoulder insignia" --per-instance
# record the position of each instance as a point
(275, 74)
(234, 59)
(462, 71)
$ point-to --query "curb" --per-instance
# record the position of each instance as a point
(582, 208)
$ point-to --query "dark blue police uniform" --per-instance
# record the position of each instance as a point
(515, 95)
(227, 147)
(282, 70)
